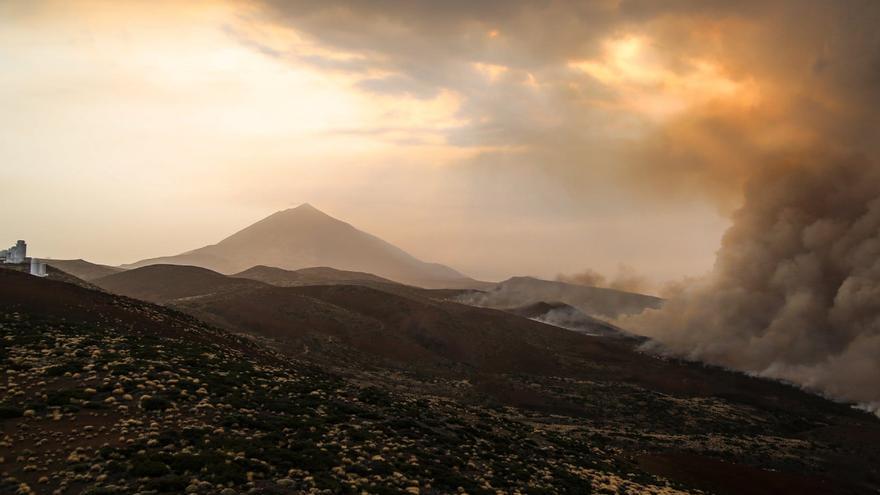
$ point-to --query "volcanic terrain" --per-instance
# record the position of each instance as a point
(233, 385)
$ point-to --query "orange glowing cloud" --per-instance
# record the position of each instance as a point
(633, 67)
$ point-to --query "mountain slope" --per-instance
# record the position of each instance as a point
(305, 237)
(83, 269)
(564, 316)
(594, 301)
(331, 276)
(402, 325)
(105, 394)
(589, 410)
(52, 273)
(165, 283)
(319, 275)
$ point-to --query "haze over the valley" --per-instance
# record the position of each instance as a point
(608, 141)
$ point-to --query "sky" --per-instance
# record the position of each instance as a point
(500, 138)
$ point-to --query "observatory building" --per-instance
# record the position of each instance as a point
(38, 268)
(16, 254)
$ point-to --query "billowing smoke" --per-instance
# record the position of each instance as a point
(626, 279)
(588, 277)
(795, 292)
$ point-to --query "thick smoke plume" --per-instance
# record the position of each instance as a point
(626, 279)
(795, 292)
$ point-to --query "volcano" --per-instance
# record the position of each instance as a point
(305, 237)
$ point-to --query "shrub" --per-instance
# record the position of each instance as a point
(168, 484)
(60, 369)
(156, 404)
(145, 467)
(8, 411)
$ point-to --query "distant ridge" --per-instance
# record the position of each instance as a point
(594, 301)
(83, 269)
(304, 237)
(318, 275)
(164, 283)
(566, 316)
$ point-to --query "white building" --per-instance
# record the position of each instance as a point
(38, 268)
(15, 254)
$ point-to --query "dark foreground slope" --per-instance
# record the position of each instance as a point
(661, 415)
(104, 394)
(225, 413)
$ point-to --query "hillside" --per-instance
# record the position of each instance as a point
(594, 301)
(400, 324)
(110, 395)
(331, 276)
(305, 237)
(106, 394)
(319, 275)
(83, 269)
(564, 316)
(411, 330)
(52, 273)
(164, 283)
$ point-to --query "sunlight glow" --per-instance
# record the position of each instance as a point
(491, 71)
(645, 85)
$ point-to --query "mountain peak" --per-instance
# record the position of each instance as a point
(303, 212)
(302, 209)
(305, 207)
(304, 237)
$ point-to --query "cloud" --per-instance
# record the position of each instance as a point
(688, 95)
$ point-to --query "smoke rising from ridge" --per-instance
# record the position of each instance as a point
(795, 293)
(626, 279)
(795, 290)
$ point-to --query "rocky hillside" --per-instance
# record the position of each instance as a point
(106, 394)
